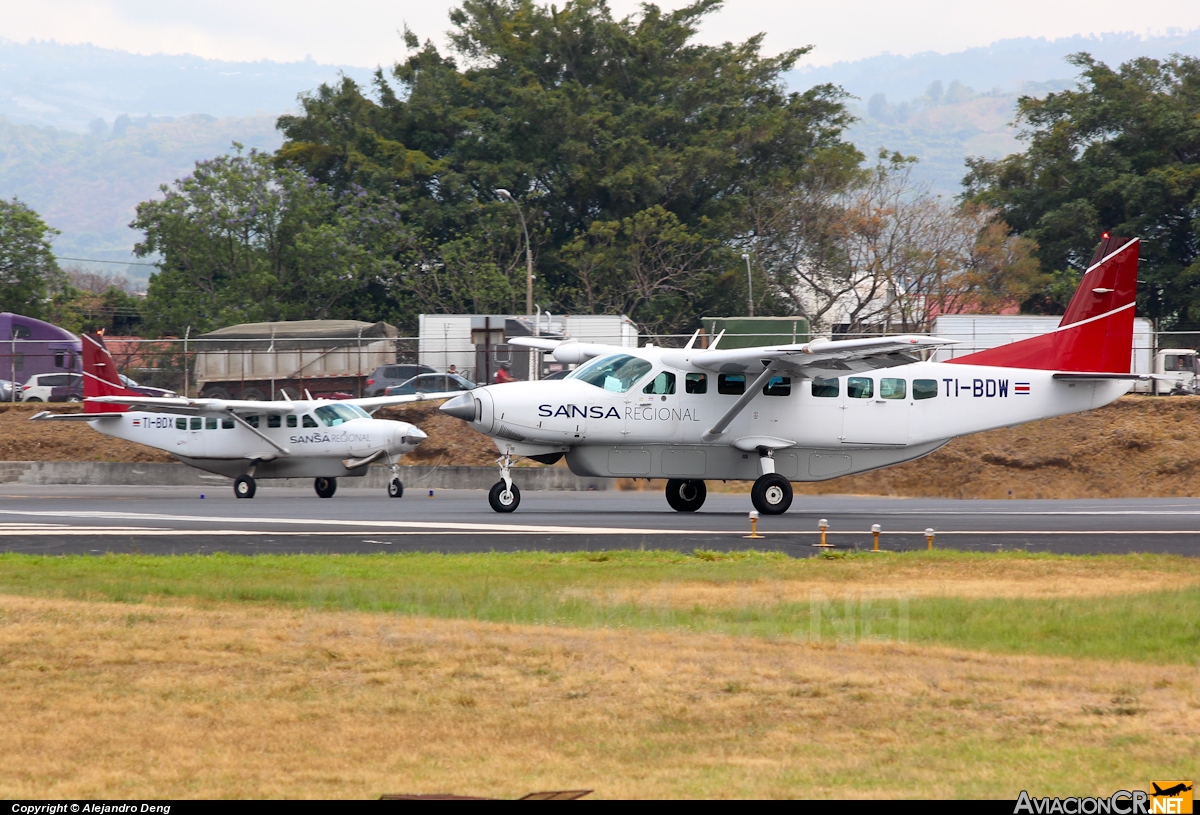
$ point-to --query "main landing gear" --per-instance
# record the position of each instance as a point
(325, 487)
(504, 495)
(686, 496)
(244, 486)
(771, 493)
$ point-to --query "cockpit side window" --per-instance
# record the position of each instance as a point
(662, 384)
(309, 421)
(616, 373)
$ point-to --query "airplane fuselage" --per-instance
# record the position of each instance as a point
(817, 428)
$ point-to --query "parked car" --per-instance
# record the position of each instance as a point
(53, 388)
(432, 383)
(145, 390)
(385, 376)
(6, 390)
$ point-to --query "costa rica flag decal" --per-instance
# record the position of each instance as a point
(1021, 388)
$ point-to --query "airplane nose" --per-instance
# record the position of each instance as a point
(460, 407)
(416, 435)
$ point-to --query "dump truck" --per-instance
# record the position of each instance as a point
(285, 360)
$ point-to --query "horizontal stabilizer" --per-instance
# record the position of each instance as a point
(47, 416)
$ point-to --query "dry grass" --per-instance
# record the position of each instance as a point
(1136, 447)
(123, 700)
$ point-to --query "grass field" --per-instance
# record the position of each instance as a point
(632, 673)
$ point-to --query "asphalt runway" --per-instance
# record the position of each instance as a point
(176, 520)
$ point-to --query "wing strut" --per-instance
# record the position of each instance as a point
(717, 430)
(256, 432)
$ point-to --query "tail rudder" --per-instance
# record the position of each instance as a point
(1096, 333)
(100, 376)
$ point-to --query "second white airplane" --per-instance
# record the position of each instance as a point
(807, 412)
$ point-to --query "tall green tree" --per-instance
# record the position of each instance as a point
(605, 130)
(1121, 153)
(29, 274)
(245, 240)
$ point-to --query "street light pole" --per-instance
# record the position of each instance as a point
(508, 196)
(749, 284)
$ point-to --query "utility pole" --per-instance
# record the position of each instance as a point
(749, 284)
(508, 196)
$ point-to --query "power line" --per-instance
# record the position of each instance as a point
(114, 262)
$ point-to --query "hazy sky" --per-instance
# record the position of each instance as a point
(363, 32)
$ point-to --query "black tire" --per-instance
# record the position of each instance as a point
(244, 487)
(215, 393)
(31, 399)
(772, 494)
(252, 395)
(74, 398)
(325, 487)
(686, 496)
(502, 499)
(396, 488)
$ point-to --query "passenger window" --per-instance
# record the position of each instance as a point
(197, 423)
(274, 420)
(309, 421)
(892, 388)
(825, 388)
(860, 387)
(210, 424)
(291, 421)
(732, 384)
(227, 424)
(696, 383)
(181, 424)
(662, 384)
(252, 421)
(778, 386)
(924, 388)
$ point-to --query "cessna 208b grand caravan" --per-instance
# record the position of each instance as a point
(806, 412)
(317, 439)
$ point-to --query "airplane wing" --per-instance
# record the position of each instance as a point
(374, 403)
(815, 358)
(181, 404)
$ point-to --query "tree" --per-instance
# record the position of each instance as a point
(29, 274)
(588, 120)
(1120, 153)
(243, 240)
(881, 254)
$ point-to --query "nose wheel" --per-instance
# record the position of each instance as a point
(395, 488)
(244, 487)
(325, 487)
(504, 495)
(771, 494)
(686, 496)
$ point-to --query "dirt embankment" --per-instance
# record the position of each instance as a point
(1137, 447)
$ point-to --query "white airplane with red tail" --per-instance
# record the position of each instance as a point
(244, 440)
(806, 412)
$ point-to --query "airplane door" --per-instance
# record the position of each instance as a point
(653, 411)
(876, 410)
(194, 439)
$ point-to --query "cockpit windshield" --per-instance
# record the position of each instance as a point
(334, 415)
(617, 373)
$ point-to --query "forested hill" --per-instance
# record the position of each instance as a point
(87, 186)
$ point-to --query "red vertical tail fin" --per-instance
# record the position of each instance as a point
(100, 376)
(1096, 333)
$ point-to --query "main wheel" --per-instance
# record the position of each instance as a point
(686, 496)
(772, 494)
(396, 488)
(504, 499)
(325, 487)
(244, 486)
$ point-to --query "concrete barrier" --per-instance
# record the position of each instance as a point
(180, 475)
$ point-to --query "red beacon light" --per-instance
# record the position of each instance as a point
(1104, 235)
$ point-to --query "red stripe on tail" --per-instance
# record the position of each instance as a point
(100, 376)
(1096, 333)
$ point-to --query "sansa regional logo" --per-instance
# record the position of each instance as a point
(1163, 798)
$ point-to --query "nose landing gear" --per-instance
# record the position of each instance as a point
(686, 496)
(504, 495)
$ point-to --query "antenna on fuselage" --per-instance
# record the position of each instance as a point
(692, 341)
(713, 344)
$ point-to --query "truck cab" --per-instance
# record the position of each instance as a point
(1176, 372)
